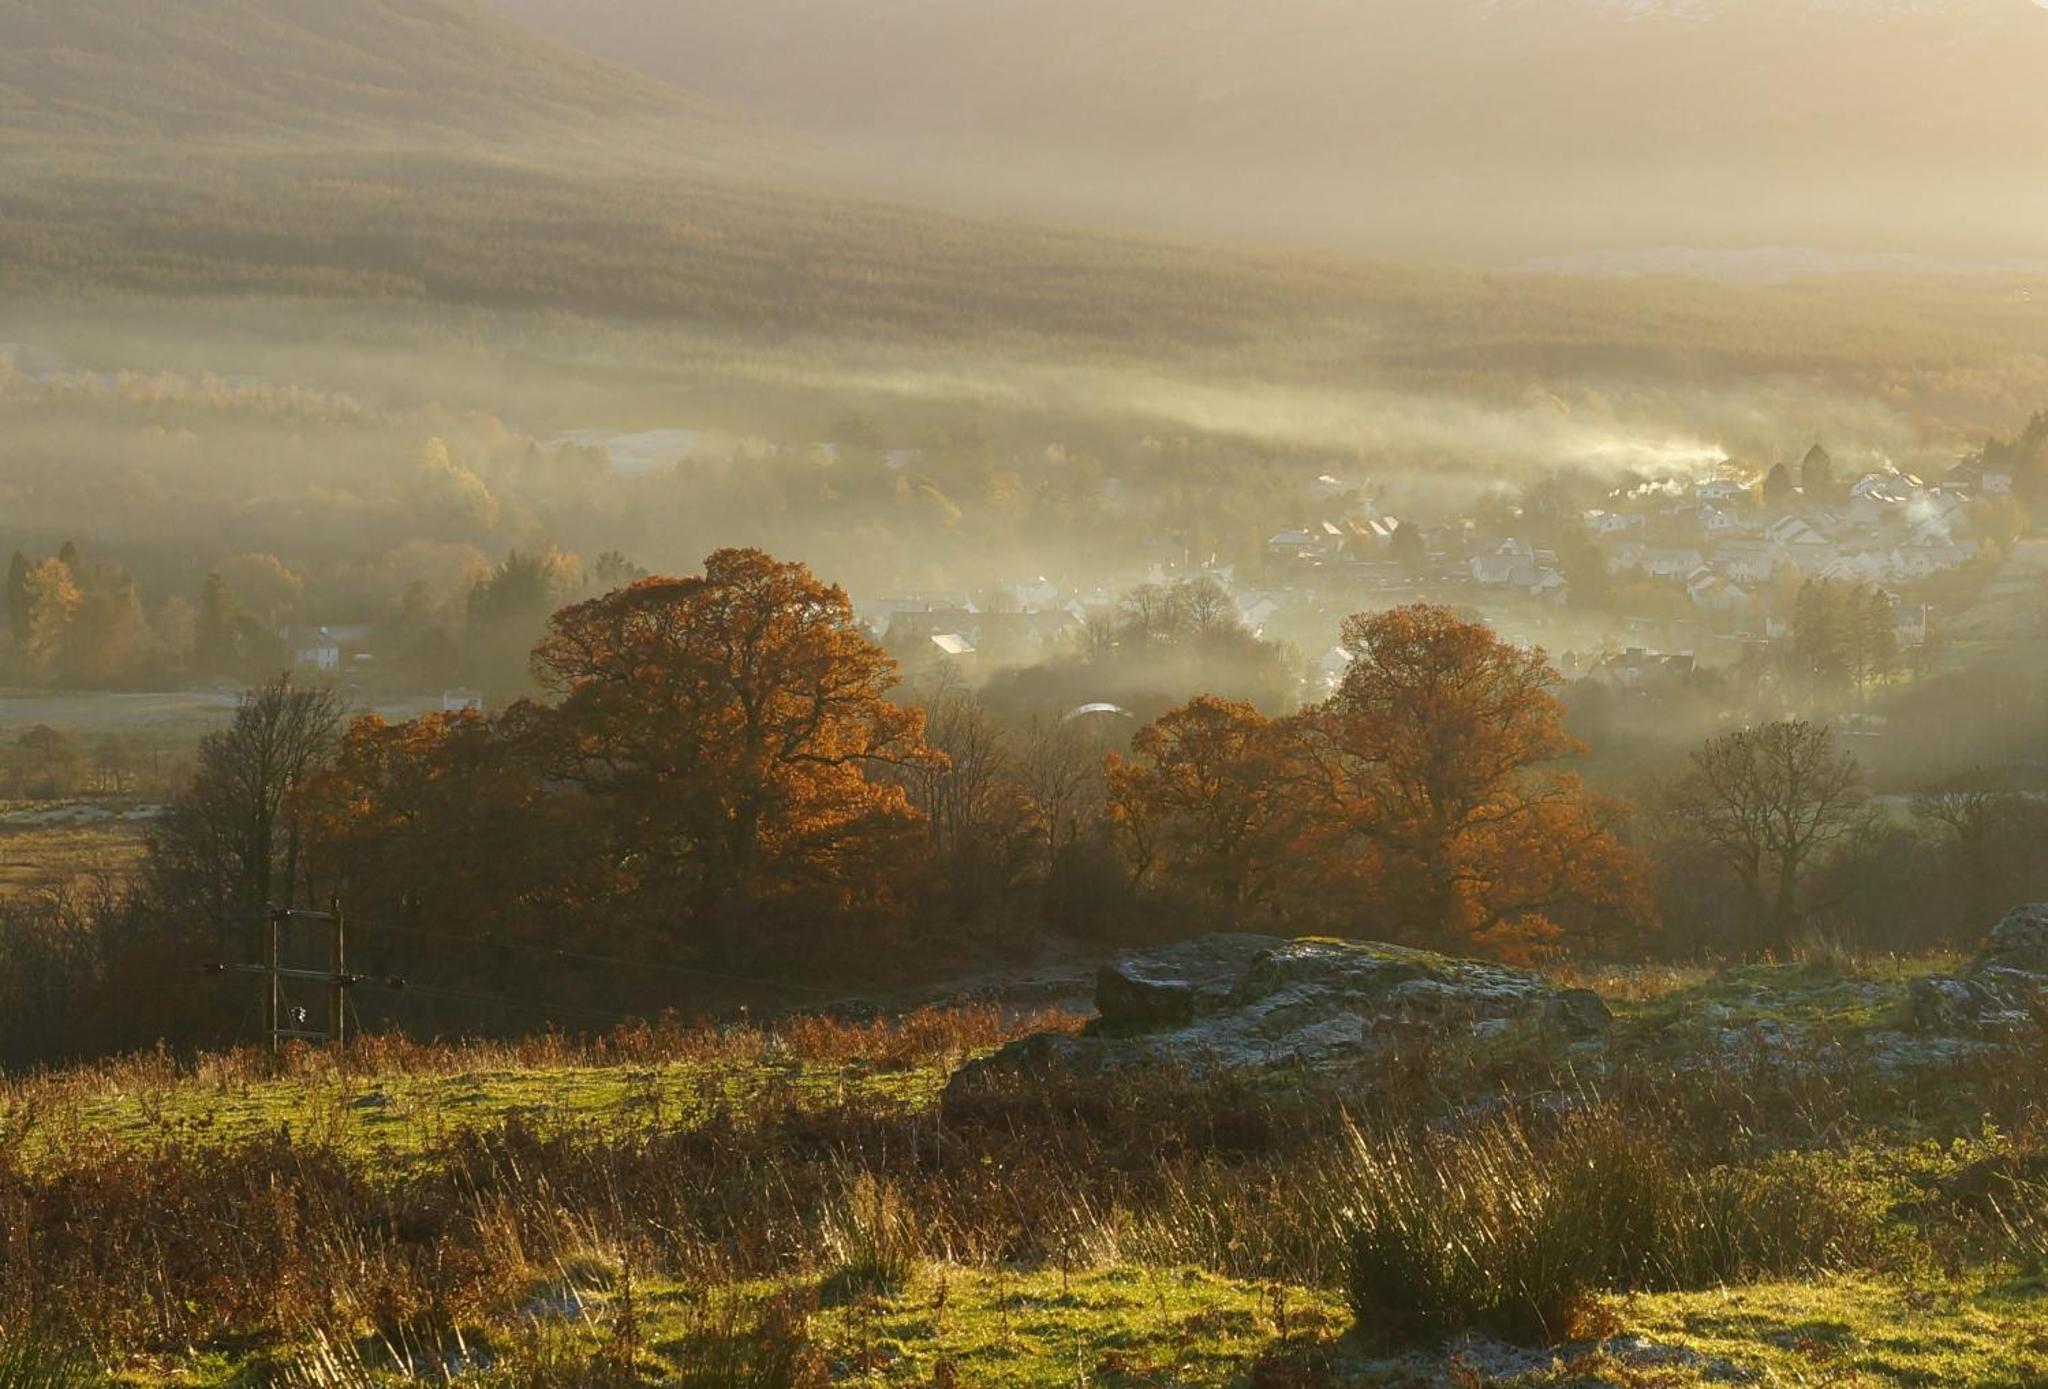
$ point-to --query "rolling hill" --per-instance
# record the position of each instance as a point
(1498, 128)
(425, 157)
(139, 70)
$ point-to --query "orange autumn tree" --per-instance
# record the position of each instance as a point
(446, 824)
(1210, 797)
(1433, 764)
(726, 724)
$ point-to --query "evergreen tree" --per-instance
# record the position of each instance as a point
(1817, 474)
(18, 610)
(213, 639)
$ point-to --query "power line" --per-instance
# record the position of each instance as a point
(530, 1005)
(341, 984)
(336, 979)
(392, 935)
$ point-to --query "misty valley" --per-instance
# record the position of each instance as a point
(883, 693)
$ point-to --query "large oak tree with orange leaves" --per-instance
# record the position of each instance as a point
(700, 790)
(726, 724)
(1421, 802)
(1211, 796)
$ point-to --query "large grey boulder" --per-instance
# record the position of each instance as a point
(2004, 989)
(2020, 942)
(1262, 1003)
(1176, 983)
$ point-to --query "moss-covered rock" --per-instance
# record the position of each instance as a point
(1256, 1003)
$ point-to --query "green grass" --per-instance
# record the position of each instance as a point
(1822, 997)
(1130, 1326)
(1120, 1326)
(395, 1116)
(907, 1251)
(1859, 1331)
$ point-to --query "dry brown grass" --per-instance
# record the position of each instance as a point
(37, 858)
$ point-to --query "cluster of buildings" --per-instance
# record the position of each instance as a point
(1725, 542)
(1726, 554)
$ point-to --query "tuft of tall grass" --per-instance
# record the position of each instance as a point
(34, 1359)
(870, 1237)
(735, 1344)
(1514, 1228)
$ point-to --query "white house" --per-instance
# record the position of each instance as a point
(1860, 567)
(1549, 586)
(1894, 488)
(1722, 492)
(1745, 561)
(1921, 560)
(323, 648)
(1800, 543)
(1612, 522)
(1711, 592)
(1669, 563)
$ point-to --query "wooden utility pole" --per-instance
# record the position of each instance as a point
(335, 978)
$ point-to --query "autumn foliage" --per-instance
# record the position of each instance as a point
(1212, 796)
(725, 780)
(703, 783)
(728, 724)
(1421, 802)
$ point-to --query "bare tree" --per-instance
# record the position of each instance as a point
(228, 849)
(1769, 802)
(959, 793)
(1061, 769)
(1972, 821)
(1206, 604)
(1153, 612)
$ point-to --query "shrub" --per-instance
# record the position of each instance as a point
(1473, 1231)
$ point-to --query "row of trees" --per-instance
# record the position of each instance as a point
(726, 785)
(1844, 637)
(71, 622)
(80, 623)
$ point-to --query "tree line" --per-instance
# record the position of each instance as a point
(725, 788)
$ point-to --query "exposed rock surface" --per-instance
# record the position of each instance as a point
(2004, 989)
(1243, 1002)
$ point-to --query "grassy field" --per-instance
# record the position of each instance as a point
(1128, 1326)
(792, 1206)
(45, 848)
(397, 1100)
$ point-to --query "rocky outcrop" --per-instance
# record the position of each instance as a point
(1263, 1003)
(2005, 989)
(1177, 983)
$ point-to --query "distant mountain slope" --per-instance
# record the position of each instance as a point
(263, 68)
(1530, 126)
(422, 153)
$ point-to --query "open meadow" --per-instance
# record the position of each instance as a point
(1740, 1182)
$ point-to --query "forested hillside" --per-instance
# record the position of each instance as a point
(260, 69)
(1503, 127)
